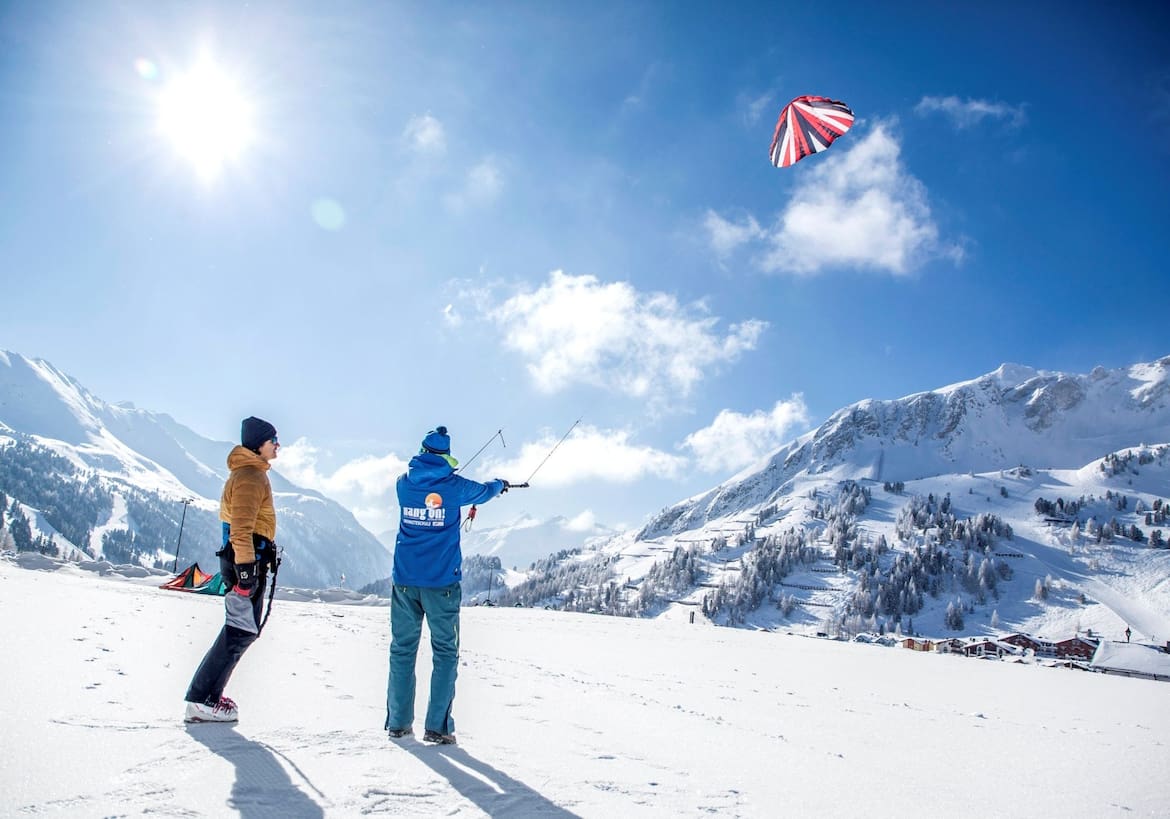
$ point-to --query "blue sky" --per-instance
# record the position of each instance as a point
(514, 215)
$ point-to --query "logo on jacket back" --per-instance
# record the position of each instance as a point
(432, 514)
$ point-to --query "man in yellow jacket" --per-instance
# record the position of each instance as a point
(249, 531)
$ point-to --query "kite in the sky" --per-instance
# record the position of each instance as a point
(808, 125)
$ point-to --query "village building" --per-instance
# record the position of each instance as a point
(1076, 665)
(1132, 660)
(988, 648)
(950, 645)
(1076, 648)
(1038, 645)
(917, 644)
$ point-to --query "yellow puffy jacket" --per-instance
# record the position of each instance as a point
(246, 504)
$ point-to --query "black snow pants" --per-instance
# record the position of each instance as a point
(213, 673)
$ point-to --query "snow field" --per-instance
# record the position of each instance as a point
(557, 714)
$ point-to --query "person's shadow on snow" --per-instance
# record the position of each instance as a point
(490, 790)
(262, 788)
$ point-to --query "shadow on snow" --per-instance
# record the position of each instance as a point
(490, 790)
(262, 787)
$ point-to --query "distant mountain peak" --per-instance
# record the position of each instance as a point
(133, 450)
(1010, 416)
(525, 538)
(1009, 375)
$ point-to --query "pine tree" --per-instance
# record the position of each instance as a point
(954, 616)
(21, 531)
(1040, 592)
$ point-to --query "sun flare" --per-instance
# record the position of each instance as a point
(207, 118)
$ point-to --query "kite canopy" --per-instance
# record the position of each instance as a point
(194, 579)
(808, 125)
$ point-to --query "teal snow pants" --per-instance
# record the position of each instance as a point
(408, 606)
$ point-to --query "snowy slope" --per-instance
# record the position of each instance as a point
(1100, 586)
(557, 714)
(992, 447)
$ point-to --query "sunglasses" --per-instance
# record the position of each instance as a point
(274, 441)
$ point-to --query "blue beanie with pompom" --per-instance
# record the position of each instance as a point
(437, 441)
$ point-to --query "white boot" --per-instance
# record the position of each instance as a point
(223, 711)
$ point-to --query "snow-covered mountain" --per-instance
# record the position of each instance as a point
(526, 539)
(1014, 415)
(1019, 500)
(148, 463)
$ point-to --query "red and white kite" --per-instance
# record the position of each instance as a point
(808, 125)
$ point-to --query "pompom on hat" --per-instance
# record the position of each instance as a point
(254, 432)
(437, 441)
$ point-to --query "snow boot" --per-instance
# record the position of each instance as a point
(223, 711)
(439, 739)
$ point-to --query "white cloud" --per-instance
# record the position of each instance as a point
(647, 83)
(364, 485)
(726, 236)
(578, 329)
(757, 108)
(451, 316)
(588, 454)
(969, 113)
(482, 186)
(425, 135)
(582, 522)
(734, 440)
(858, 208)
(485, 180)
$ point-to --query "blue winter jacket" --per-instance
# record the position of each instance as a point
(430, 494)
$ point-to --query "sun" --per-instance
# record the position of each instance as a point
(206, 117)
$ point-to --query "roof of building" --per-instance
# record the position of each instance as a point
(1136, 658)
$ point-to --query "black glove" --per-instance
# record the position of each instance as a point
(507, 485)
(245, 579)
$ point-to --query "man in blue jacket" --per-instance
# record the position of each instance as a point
(427, 572)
